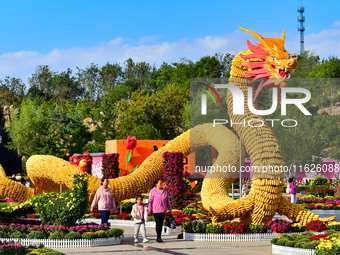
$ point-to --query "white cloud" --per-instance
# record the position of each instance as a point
(22, 64)
(336, 23)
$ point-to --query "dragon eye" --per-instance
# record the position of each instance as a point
(274, 59)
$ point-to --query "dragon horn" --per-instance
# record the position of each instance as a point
(259, 37)
(283, 35)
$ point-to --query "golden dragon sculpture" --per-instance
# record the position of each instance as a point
(268, 59)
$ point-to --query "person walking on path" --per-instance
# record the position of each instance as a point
(104, 199)
(293, 190)
(159, 203)
(140, 214)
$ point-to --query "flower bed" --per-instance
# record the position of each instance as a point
(321, 243)
(208, 237)
(83, 231)
(74, 243)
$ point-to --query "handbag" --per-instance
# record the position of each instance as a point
(170, 222)
(288, 189)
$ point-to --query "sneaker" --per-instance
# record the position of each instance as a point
(136, 240)
(145, 240)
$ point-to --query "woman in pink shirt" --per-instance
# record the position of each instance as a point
(104, 199)
(159, 203)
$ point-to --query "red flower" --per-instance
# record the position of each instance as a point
(316, 225)
(131, 143)
(67, 154)
(317, 237)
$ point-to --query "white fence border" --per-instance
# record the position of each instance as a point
(283, 250)
(208, 237)
(75, 243)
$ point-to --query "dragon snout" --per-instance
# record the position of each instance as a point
(291, 63)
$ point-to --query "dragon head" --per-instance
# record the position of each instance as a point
(268, 60)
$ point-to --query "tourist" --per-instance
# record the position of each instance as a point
(104, 199)
(244, 190)
(293, 190)
(159, 203)
(140, 214)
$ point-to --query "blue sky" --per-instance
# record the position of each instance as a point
(76, 33)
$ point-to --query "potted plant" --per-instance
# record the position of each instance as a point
(316, 226)
(279, 226)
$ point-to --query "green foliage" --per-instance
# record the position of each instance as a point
(214, 228)
(101, 234)
(274, 240)
(12, 91)
(191, 211)
(63, 208)
(36, 235)
(257, 228)
(194, 227)
(17, 234)
(88, 235)
(3, 234)
(152, 116)
(115, 232)
(42, 128)
(311, 245)
(300, 244)
(73, 235)
(319, 182)
(57, 235)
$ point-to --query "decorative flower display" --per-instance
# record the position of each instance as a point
(279, 225)
(173, 177)
(234, 228)
(110, 165)
(316, 225)
(131, 142)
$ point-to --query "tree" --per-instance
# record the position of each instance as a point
(41, 128)
(41, 83)
(306, 62)
(138, 76)
(12, 91)
(151, 116)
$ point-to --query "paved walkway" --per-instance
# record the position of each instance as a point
(175, 246)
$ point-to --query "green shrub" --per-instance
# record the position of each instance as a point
(336, 235)
(307, 234)
(300, 244)
(17, 234)
(101, 234)
(191, 211)
(115, 232)
(63, 208)
(257, 228)
(290, 244)
(282, 241)
(88, 235)
(35, 235)
(57, 235)
(73, 235)
(274, 240)
(311, 245)
(3, 234)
